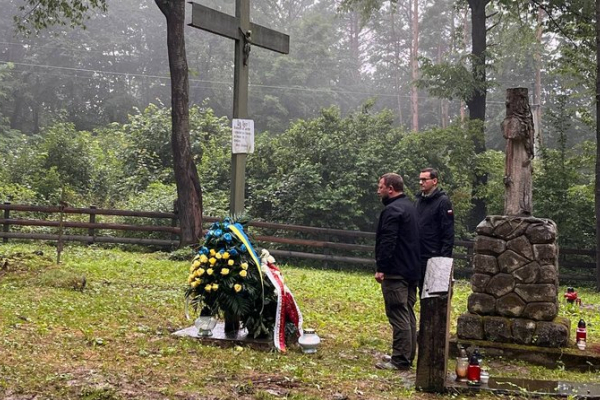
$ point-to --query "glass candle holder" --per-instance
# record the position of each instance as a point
(309, 341)
(484, 377)
(205, 325)
(462, 365)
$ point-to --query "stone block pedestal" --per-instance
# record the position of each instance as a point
(515, 284)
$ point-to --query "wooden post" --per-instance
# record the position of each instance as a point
(59, 245)
(470, 257)
(436, 295)
(175, 219)
(91, 231)
(6, 225)
(518, 130)
(432, 362)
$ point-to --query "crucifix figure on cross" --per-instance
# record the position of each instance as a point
(245, 34)
(247, 45)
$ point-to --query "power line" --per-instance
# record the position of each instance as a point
(162, 77)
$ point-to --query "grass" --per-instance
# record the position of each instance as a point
(111, 339)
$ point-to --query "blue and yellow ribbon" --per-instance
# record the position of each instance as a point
(238, 231)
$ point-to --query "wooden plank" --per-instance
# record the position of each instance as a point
(6, 227)
(433, 339)
(210, 20)
(464, 243)
(577, 265)
(87, 225)
(313, 243)
(321, 257)
(97, 239)
(71, 210)
(270, 39)
(312, 229)
(214, 21)
(580, 252)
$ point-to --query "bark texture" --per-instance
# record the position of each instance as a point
(476, 103)
(189, 192)
(517, 129)
(414, 64)
(597, 188)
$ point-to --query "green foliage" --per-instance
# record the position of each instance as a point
(452, 152)
(6, 84)
(211, 146)
(148, 157)
(564, 181)
(65, 152)
(324, 167)
(492, 163)
(448, 80)
(564, 192)
(37, 15)
(156, 197)
(17, 193)
(56, 163)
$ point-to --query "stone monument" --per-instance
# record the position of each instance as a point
(515, 261)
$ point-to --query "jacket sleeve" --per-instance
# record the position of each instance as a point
(388, 239)
(446, 217)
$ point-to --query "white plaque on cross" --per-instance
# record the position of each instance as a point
(242, 136)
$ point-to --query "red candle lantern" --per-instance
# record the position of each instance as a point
(571, 296)
(581, 335)
(474, 370)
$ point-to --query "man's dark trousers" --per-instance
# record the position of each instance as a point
(400, 297)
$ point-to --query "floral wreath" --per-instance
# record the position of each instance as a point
(226, 280)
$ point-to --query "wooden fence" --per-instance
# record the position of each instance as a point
(332, 247)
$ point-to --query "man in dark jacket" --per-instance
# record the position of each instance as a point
(436, 219)
(398, 268)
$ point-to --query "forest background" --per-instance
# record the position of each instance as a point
(84, 116)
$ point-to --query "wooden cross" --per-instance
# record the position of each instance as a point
(245, 34)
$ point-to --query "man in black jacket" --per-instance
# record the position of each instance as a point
(398, 268)
(436, 219)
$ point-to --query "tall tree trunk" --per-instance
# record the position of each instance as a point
(17, 117)
(354, 25)
(537, 102)
(189, 192)
(414, 54)
(35, 107)
(16, 120)
(444, 103)
(463, 106)
(476, 103)
(597, 199)
(396, 40)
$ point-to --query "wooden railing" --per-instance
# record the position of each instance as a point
(330, 246)
(90, 227)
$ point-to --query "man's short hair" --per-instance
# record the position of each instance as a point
(433, 173)
(393, 180)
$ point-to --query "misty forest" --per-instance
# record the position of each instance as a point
(368, 87)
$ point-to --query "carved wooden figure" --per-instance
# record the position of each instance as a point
(518, 130)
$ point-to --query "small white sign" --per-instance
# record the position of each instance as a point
(242, 140)
(437, 277)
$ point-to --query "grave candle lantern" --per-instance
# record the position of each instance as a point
(474, 371)
(309, 341)
(571, 296)
(462, 365)
(581, 335)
